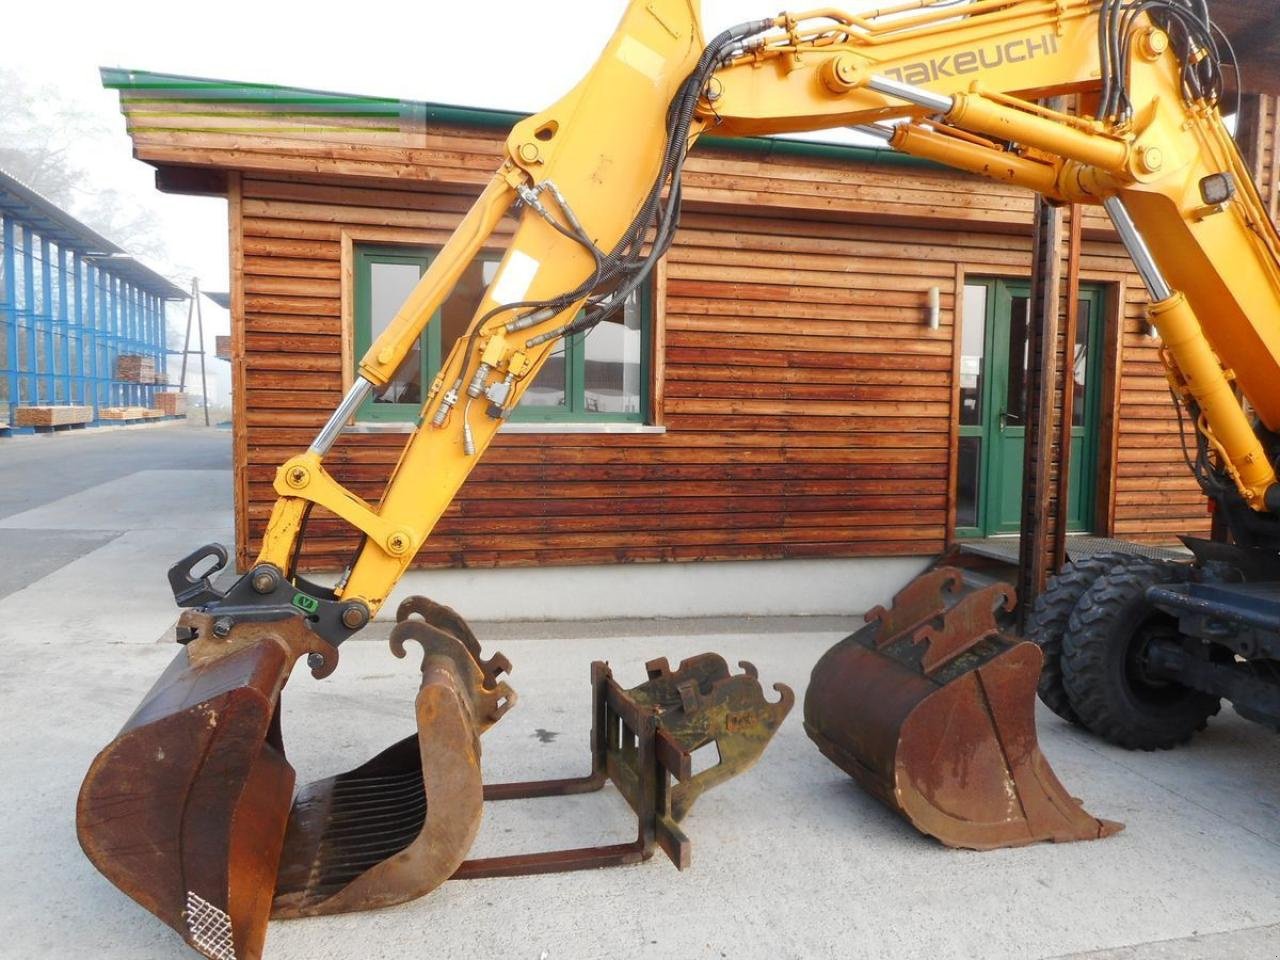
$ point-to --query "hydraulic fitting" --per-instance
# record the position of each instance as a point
(475, 389)
(447, 403)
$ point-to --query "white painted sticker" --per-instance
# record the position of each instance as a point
(516, 278)
(640, 58)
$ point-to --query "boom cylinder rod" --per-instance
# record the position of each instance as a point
(978, 114)
(1138, 250)
(328, 436)
(1201, 371)
(937, 102)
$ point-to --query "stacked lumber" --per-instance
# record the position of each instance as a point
(132, 368)
(129, 413)
(52, 416)
(172, 403)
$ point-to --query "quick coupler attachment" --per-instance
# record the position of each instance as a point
(931, 708)
(643, 741)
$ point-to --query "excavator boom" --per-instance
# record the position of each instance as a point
(591, 190)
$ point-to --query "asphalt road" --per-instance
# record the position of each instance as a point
(35, 471)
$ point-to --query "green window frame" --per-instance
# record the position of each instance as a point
(575, 409)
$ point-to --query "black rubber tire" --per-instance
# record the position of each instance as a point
(1050, 614)
(1109, 696)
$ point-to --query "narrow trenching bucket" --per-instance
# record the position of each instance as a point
(931, 708)
(190, 810)
(399, 826)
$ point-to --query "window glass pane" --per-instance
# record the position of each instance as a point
(969, 482)
(389, 285)
(612, 364)
(548, 387)
(973, 360)
(1080, 364)
(460, 309)
(1016, 401)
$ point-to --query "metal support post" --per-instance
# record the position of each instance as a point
(1042, 378)
(9, 315)
(29, 312)
(64, 325)
(46, 316)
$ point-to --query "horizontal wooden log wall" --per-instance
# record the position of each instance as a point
(808, 408)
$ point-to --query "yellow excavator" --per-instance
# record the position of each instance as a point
(191, 809)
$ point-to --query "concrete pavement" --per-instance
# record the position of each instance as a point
(789, 860)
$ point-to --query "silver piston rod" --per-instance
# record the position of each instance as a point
(328, 436)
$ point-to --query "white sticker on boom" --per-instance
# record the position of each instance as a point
(639, 57)
(516, 278)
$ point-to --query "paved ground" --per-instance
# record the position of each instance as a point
(790, 860)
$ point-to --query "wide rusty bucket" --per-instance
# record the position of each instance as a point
(186, 810)
(190, 810)
(931, 708)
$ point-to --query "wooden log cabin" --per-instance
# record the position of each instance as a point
(782, 392)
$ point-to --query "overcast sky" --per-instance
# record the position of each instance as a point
(500, 53)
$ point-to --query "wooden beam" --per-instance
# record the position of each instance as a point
(1067, 409)
(239, 401)
(1042, 378)
(192, 181)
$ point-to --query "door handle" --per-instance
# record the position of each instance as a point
(1004, 420)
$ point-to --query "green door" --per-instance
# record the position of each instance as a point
(993, 409)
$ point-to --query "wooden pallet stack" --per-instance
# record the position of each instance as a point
(132, 368)
(172, 403)
(129, 413)
(51, 416)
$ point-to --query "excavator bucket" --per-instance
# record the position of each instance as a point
(400, 825)
(931, 708)
(190, 810)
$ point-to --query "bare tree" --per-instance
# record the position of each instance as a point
(39, 130)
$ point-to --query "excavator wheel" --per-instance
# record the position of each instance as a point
(1102, 663)
(1052, 611)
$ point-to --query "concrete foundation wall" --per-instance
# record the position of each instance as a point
(764, 588)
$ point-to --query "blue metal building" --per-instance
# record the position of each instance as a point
(71, 303)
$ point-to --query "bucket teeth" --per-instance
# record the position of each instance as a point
(931, 708)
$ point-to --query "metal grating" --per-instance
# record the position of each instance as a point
(210, 928)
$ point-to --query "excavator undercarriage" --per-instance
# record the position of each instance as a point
(191, 809)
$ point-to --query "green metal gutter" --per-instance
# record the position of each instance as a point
(154, 90)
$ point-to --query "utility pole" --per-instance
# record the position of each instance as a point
(195, 312)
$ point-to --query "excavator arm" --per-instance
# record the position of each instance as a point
(959, 85)
(591, 190)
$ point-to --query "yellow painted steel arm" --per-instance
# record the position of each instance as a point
(960, 81)
(602, 146)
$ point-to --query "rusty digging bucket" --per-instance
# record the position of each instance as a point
(932, 710)
(191, 809)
